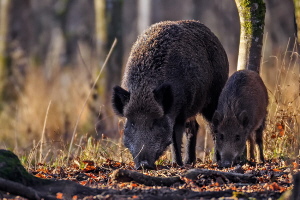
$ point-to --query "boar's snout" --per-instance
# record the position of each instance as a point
(227, 160)
(144, 164)
(226, 163)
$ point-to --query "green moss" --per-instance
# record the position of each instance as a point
(12, 169)
(253, 12)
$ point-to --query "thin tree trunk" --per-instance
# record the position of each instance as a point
(252, 16)
(297, 19)
(4, 19)
(100, 24)
(144, 15)
(108, 27)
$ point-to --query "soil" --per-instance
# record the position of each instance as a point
(267, 181)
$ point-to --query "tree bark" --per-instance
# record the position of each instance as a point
(108, 27)
(16, 180)
(252, 16)
(123, 175)
(144, 15)
(4, 19)
(297, 19)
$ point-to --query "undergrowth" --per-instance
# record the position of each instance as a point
(281, 135)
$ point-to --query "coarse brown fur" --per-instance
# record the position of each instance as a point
(175, 71)
(240, 117)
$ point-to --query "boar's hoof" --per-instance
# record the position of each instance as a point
(144, 165)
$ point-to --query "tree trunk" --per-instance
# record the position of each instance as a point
(4, 19)
(16, 180)
(252, 16)
(297, 19)
(144, 15)
(108, 27)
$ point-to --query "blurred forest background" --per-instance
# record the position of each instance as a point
(52, 50)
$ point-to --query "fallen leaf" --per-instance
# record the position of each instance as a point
(280, 126)
(273, 136)
(122, 185)
(295, 165)
(233, 188)
(281, 133)
(89, 162)
(134, 185)
(89, 168)
(83, 182)
(40, 175)
(59, 195)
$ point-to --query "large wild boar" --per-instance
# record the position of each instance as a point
(240, 117)
(176, 69)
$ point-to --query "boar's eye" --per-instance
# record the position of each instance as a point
(129, 124)
(221, 136)
(237, 138)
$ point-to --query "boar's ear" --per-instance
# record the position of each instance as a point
(120, 98)
(217, 118)
(243, 118)
(164, 96)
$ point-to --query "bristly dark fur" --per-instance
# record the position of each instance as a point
(175, 71)
(240, 117)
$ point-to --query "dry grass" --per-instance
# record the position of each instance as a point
(23, 124)
(281, 135)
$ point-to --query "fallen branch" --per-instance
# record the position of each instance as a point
(122, 175)
(19, 189)
(231, 176)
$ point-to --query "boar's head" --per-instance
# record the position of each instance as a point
(148, 128)
(230, 135)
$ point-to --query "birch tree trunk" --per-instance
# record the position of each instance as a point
(144, 15)
(252, 17)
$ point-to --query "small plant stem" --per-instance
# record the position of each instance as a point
(205, 142)
(43, 132)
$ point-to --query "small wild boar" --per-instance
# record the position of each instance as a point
(240, 117)
(176, 69)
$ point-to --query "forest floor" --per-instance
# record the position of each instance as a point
(268, 181)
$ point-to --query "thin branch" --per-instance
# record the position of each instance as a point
(43, 132)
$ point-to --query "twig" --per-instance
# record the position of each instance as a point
(231, 176)
(43, 132)
(123, 175)
(88, 96)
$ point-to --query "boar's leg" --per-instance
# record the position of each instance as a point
(250, 148)
(259, 141)
(192, 128)
(177, 141)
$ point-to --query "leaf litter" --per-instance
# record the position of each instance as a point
(272, 179)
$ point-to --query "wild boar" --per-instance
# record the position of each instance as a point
(240, 118)
(176, 69)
